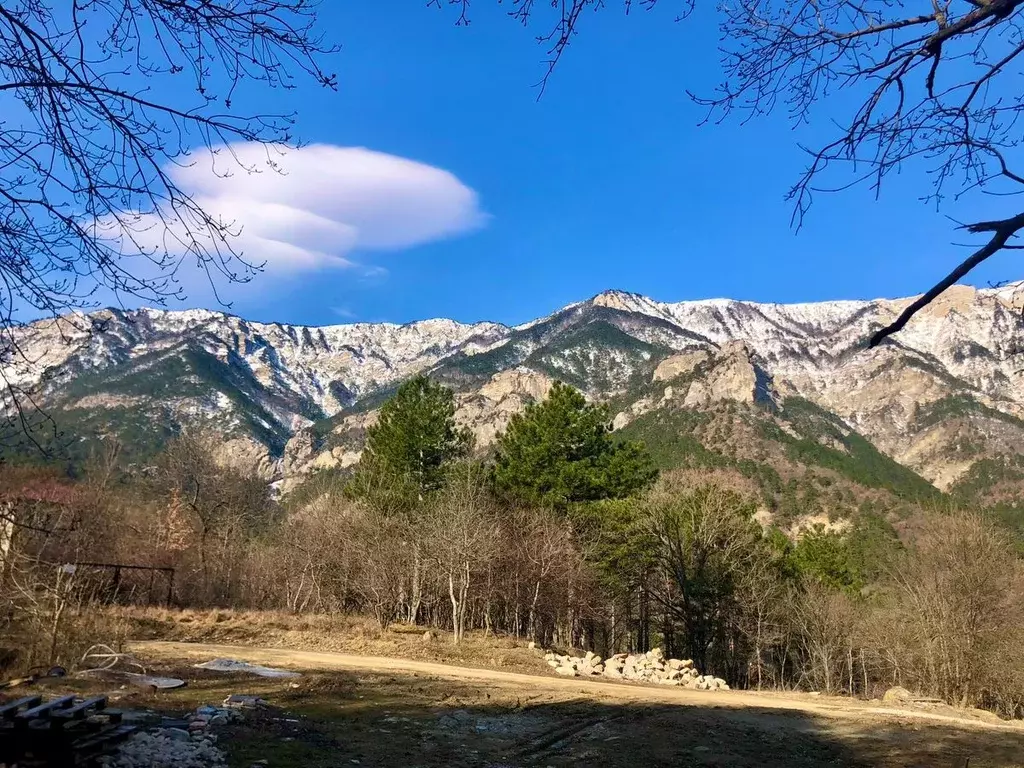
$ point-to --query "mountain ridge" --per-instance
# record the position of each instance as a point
(940, 397)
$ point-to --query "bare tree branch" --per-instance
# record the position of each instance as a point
(1003, 231)
(93, 121)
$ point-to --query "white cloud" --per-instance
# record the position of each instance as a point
(298, 210)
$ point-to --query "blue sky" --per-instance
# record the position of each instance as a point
(607, 182)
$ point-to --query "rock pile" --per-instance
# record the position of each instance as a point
(650, 667)
(178, 744)
(165, 749)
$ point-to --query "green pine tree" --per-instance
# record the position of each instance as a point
(561, 451)
(409, 449)
(826, 556)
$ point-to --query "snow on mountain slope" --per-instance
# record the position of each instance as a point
(974, 335)
(964, 349)
(326, 367)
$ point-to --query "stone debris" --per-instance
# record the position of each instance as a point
(650, 667)
(234, 665)
(243, 701)
(173, 746)
(163, 750)
(900, 695)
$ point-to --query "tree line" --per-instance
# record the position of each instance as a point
(562, 534)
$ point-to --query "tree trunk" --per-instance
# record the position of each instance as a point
(455, 606)
(464, 596)
(6, 543)
(416, 595)
(532, 625)
(611, 640)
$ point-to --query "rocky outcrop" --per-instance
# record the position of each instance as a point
(734, 375)
(522, 383)
(487, 411)
(699, 378)
(246, 456)
(680, 365)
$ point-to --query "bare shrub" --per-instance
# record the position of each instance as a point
(384, 560)
(826, 621)
(540, 557)
(221, 505)
(958, 599)
(311, 563)
(51, 616)
(463, 538)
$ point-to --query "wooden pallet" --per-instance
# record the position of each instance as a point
(60, 732)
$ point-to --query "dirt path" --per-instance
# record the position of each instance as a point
(603, 691)
(380, 712)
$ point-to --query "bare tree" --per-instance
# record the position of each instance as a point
(463, 536)
(226, 504)
(826, 621)
(935, 84)
(99, 101)
(543, 549)
(958, 595)
(383, 562)
(707, 540)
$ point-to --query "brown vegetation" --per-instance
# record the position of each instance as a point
(685, 567)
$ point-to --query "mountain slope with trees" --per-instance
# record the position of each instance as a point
(943, 401)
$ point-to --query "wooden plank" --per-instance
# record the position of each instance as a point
(78, 711)
(44, 710)
(8, 711)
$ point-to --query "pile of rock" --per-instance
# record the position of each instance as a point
(187, 743)
(650, 667)
(165, 748)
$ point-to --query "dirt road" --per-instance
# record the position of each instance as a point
(387, 711)
(598, 689)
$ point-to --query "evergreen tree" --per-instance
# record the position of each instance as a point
(410, 447)
(561, 451)
(826, 556)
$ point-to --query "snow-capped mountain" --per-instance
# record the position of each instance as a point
(941, 396)
(306, 373)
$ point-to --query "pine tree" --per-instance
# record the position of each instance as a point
(561, 451)
(413, 442)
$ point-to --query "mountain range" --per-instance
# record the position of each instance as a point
(786, 397)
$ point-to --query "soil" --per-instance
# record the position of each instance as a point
(351, 710)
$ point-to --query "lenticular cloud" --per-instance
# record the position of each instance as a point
(308, 208)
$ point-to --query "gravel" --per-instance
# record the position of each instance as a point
(174, 747)
(162, 750)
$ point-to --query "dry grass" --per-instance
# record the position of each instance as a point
(319, 632)
(329, 719)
